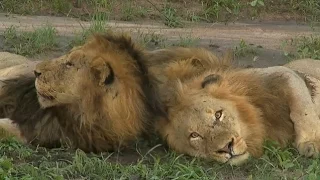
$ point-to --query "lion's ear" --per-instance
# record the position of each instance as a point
(102, 71)
(210, 79)
(196, 63)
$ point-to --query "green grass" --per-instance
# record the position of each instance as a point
(244, 49)
(30, 43)
(151, 40)
(171, 12)
(171, 18)
(21, 162)
(131, 12)
(309, 8)
(187, 41)
(98, 25)
(61, 6)
(225, 10)
(215, 9)
(193, 17)
(302, 47)
(308, 47)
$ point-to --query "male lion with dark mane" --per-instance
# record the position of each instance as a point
(96, 97)
(225, 114)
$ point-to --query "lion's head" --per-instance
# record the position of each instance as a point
(104, 81)
(107, 65)
(219, 114)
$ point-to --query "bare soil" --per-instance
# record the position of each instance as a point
(267, 39)
(207, 10)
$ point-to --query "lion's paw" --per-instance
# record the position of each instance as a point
(308, 149)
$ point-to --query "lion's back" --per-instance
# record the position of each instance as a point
(307, 66)
(9, 59)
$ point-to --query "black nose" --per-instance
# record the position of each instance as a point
(227, 148)
(37, 74)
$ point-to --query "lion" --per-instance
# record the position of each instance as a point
(226, 114)
(97, 97)
(8, 59)
(308, 66)
(59, 88)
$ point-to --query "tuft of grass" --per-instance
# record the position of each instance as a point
(257, 3)
(6, 167)
(194, 17)
(130, 12)
(171, 17)
(187, 41)
(205, 10)
(243, 49)
(61, 6)
(217, 8)
(102, 3)
(308, 47)
(302, 47)
(151, 39)
(98, 25)
(30, 43)
(19, 6)
(309, 8)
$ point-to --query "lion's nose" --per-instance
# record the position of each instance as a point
(228, 148)
(37, 74)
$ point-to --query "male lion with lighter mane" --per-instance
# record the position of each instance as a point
(97, 97)
(225, 114)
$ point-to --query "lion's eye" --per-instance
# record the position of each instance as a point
(218, 114)
(69, 64)
(194, 135)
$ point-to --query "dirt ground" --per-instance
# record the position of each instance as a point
(269, 40)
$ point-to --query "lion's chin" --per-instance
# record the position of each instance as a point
(45, 101)
(238, 159)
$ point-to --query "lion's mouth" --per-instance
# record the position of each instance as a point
(237, 159)
(45, 96)
(236, 155)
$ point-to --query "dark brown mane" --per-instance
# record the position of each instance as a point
(17, 90)
(125, 43)
(89, 124)
(25, 109)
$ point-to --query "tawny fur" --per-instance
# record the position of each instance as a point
(9, 129)
(262, 98)
(309, 66)
(199, 58)
(95, 116)
(168, 64)
(9, 59)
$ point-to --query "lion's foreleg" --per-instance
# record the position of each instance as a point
(303, 112)
(9, 129)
